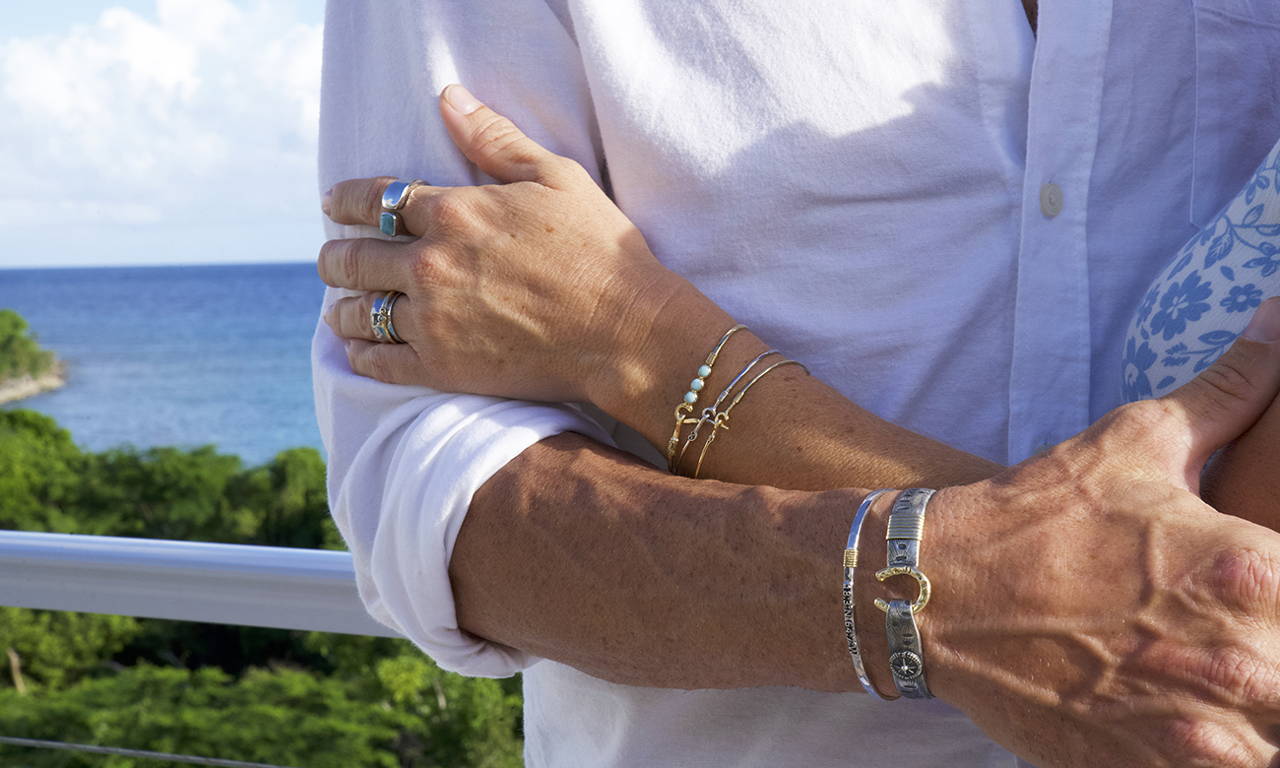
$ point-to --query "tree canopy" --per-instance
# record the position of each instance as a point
(303, 699)
(20, 354)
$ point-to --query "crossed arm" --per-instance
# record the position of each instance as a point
(582, 554)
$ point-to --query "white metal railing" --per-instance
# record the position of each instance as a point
(188, 581)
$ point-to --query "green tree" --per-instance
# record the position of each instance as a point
(288, 697)
(165, 493)
(20, 354)
(41, 472)
(51, 649)
(283, 716)
(450, 720)
(409, 715)
(286, 501)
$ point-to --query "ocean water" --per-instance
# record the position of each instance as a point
(181, 356)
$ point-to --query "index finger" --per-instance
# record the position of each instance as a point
(359, 201)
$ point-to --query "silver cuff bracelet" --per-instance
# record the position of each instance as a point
(906, 529)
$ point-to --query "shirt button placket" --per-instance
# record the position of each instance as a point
(1051, 361)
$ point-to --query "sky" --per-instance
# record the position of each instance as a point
(159, 132)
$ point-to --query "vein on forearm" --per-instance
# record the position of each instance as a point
(582, 554)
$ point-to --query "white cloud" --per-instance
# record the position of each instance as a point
(205, 112)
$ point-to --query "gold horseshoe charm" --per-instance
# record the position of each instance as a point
(926, 589)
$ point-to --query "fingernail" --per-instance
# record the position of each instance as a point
(324, 201)
(1265, 325)
(461, 99)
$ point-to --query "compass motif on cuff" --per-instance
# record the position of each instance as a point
(907, 665)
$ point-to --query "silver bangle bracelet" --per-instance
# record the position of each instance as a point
(850, 565)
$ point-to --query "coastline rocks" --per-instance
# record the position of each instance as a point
(23, 387)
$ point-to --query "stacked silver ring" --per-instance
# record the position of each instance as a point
(394, 198)
(384, 330)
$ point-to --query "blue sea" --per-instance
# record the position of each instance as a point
(180, 356)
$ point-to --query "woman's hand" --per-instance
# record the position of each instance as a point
(532, 288)
(1244, 479)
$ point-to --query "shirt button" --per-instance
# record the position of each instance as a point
(1051, 200)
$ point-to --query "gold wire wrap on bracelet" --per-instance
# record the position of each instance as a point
(721, 420)
(709, 413)
(690, 397)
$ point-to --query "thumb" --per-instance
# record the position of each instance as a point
(1225, 400)
(493, 142)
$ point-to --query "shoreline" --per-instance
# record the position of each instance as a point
(24, 387)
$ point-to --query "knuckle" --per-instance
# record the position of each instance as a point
(1197, 742)
(1226, 383)
(426, 268)
(349, 259)
(1245, 579)
(377, 366)
(497, 135)
(1241, 674)
(336, 317)
(1140, 421)
(354, 360)
(450, 211)
(570, 168)
(371, 201)
(366, 360)
(324, 261)
(361, 314)
(417, 197)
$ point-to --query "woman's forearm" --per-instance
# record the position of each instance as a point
(539, 288)
(790, 430)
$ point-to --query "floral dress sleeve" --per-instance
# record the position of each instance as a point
(1198, 305)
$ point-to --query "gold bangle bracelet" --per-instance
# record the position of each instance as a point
(691, 396)
(722, 418)
(709, 413)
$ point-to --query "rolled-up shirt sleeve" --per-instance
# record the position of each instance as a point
(404, 462)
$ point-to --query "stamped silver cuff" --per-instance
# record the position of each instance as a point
(905, 531)
(906, 657)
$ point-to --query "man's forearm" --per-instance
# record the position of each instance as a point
(582, 554)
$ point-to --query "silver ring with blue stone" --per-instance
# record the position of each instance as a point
(390, 224)
(397, 193)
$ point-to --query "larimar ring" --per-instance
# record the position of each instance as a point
(380, 317)
(397, 193)
(390, 224)
(394, 197)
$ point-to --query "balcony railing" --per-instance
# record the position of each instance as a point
(188, 581)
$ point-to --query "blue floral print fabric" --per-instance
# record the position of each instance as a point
(1197, 307)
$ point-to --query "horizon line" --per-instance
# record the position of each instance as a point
(163, 264)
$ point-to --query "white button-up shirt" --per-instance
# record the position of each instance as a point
(946, 219)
